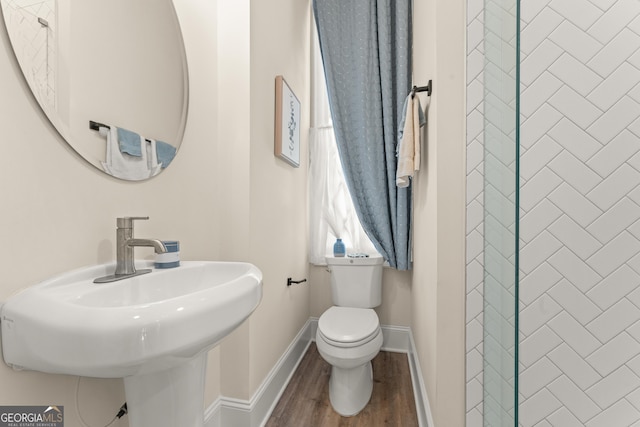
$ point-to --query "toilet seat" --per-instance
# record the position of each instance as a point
(348, 326)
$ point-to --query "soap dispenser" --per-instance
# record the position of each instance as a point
(339, 250)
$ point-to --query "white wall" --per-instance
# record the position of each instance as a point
(438, 277)
(280, 45)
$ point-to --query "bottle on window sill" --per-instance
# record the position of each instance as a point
(339, 249)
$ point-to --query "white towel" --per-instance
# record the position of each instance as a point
(155, 167)
(409, 145)
(128, 167)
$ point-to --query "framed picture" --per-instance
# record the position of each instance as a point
(287, 125)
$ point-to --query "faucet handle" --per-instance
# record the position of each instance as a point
(127, 221)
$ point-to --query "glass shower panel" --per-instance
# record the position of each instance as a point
(501, 134)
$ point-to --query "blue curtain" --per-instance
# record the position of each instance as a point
(366, 50)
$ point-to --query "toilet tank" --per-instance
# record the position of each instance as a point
(356, 282)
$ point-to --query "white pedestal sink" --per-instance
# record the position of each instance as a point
(152, 330)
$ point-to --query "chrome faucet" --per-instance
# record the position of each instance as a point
(125, 242)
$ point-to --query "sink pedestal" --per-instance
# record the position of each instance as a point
(169, 398)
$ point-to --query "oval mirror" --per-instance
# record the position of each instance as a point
(111, 76)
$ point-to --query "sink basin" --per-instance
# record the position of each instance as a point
(141, 328)
(70, 325)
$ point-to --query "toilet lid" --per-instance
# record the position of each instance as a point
(348, 325)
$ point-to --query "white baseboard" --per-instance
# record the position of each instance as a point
(230, 412)
(425, 418)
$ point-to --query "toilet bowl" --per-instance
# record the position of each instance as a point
(348, 339)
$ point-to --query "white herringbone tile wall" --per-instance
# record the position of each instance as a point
(35, 45)
(475, 147)
(580, 213)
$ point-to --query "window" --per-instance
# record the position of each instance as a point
(331, 211)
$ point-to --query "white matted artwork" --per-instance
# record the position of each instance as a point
(287, 125)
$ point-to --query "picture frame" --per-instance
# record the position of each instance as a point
(287, 123)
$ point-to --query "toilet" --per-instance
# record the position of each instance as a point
(349, 334)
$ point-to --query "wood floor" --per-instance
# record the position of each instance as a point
(305, 402)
